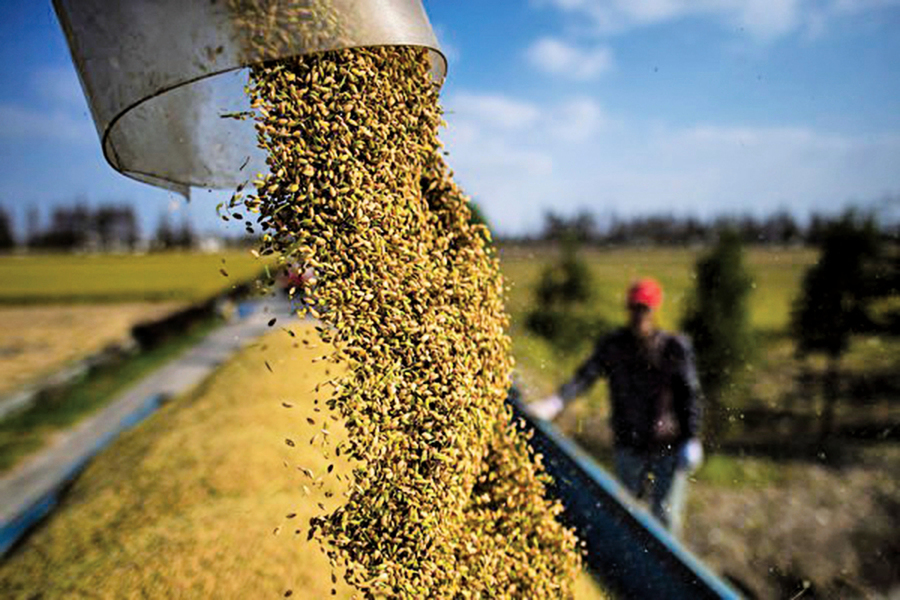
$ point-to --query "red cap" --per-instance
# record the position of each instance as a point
(647, 292)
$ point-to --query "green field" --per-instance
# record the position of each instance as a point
(776, 273)
(105, 278)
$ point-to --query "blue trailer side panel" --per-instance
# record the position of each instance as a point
(627, 548)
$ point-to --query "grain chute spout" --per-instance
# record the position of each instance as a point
(165, 79)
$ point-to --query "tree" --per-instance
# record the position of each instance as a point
(70, 228)
(185, 238)
(562, 297)
(886, 285)
(79, 227)
(165, 237)
(579, 229)
(130, 230)
(717, 321)
(169, 237)
(781, 228)
(32, 227)
(836, 290)
(7, 241)
(834, 302)
(116, 227)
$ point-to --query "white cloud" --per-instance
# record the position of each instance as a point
(851, 6)
(574, 156)
(508, 148)
(762, 19)
(494, 111)
(475, 117)
(557, 57)
(577, 120)
(767, 18)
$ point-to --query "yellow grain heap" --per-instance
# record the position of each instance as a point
(446, 500)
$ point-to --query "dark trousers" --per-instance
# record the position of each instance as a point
(656, 479)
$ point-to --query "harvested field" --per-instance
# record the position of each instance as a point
(774, 521)
(186, 504)
(834, 530)
(38, 340)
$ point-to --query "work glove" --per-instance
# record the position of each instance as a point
(690, 455)
(547, 408)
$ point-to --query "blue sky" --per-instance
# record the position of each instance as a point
(622, 107)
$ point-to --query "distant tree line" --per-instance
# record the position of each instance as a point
(169, 236)
(108, 227)
(116, 227)
(105, 228)
(779, 228)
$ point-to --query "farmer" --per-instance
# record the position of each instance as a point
(655, 400)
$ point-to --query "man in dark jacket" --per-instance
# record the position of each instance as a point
(655, 397)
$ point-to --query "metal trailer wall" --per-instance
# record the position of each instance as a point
(627, 549)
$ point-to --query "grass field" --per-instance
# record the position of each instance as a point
(777, 275)
(869, 367)
(104, 278)
(186, 505)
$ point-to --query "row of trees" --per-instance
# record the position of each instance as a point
(116, 227)
(841, 295)
(858, 268)
(779, 228)
(81, 227)
(105, 228)
(169, 236)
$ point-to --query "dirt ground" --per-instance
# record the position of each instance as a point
(832, 530)
(37, 340)
(811, 522)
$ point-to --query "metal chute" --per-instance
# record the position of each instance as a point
(164, 78)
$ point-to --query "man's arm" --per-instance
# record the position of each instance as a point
(688, 396)
(588, 373)
(585, 376)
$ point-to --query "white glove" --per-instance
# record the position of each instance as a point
(547, 408)
(690, 456)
